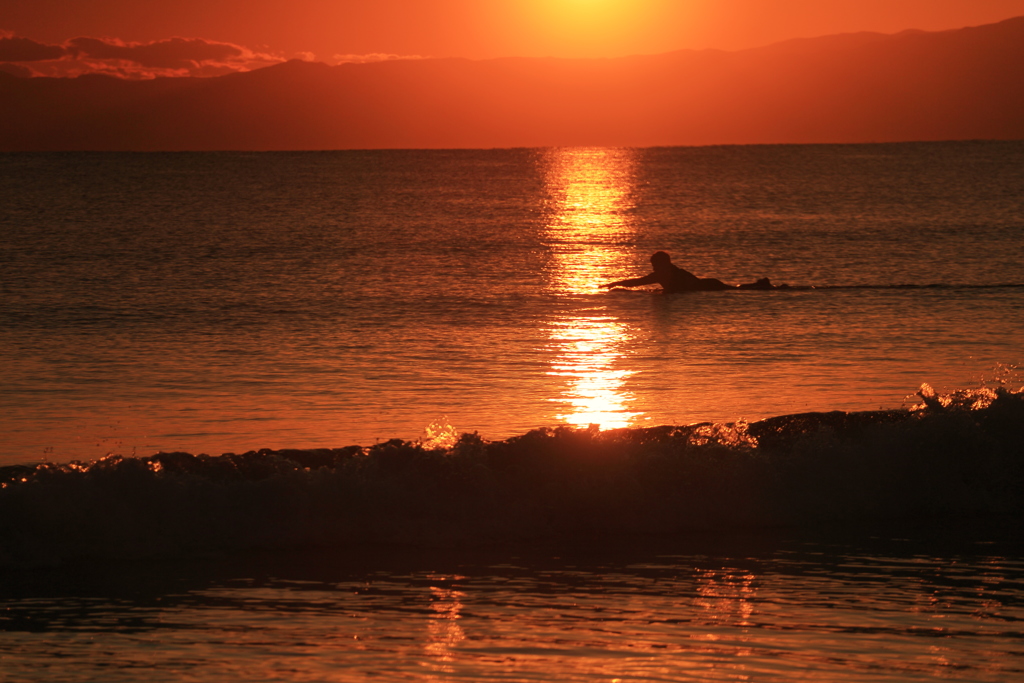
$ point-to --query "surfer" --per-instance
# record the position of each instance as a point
(672, 278)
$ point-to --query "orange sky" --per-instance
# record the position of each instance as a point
(955, 89)
(328, 30)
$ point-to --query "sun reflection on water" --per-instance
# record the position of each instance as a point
(445, 632)
(591, 231)
(726, 597)
(589, 349)
(590, 235)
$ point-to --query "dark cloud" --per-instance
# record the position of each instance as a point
(14, 49)
(16, 70)
(172, 53)
(114, 57)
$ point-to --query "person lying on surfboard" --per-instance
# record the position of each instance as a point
(672, 278)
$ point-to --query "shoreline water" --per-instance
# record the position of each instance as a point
(770, 606)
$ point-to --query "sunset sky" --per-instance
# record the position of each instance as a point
(131, 38)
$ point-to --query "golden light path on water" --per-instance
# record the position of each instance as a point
(589, 235)
(444, 631)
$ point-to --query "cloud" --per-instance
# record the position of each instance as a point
(168, 57)
(16, 70)
(13, 49)
(373, 57)
(172, 53)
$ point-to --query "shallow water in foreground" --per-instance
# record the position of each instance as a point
(881, 546)
(723, 608)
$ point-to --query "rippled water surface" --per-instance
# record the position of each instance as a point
(769, 612)
(228, 302)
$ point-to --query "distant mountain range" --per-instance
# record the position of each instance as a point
(866, 87)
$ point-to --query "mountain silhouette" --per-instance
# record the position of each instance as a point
(865, 87)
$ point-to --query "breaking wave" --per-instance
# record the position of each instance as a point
(954, 456)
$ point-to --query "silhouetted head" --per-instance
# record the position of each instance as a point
(660, 260)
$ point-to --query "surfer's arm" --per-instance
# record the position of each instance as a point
(651, 279)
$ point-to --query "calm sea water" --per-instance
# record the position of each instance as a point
(891, 611)
(228, 302)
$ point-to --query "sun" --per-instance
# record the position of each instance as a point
(587, 12)
(585, 25)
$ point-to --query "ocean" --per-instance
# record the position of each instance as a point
(328, 415)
